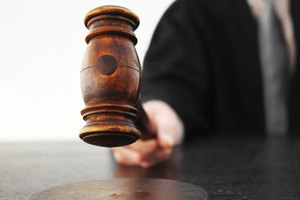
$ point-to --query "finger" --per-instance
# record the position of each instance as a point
(127, 156)
(157, 157)
(166, 136)
(143, 146)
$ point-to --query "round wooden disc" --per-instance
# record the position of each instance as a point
(124, 189)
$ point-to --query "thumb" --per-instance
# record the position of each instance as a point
(165, 138)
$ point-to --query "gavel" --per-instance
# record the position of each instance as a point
(111, 79)
(110, 83)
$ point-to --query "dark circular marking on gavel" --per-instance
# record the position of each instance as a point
(107, 64)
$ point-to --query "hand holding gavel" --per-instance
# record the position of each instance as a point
(110, 82)
(169, 132)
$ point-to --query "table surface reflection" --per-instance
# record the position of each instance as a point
(247, 167)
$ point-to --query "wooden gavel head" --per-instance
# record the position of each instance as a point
(110, 78)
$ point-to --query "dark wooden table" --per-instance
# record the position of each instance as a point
(226, 167)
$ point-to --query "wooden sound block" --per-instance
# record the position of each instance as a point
(124, 189)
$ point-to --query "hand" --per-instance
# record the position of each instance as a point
(146, 153)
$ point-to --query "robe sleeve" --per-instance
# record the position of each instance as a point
(175, 68)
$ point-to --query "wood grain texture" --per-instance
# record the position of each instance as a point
(110, 79)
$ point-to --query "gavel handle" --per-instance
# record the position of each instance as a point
(144, 124)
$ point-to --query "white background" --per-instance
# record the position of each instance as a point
(41, 50)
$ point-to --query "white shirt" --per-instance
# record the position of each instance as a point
(282, 8)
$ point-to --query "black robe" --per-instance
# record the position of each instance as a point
(204, 61)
